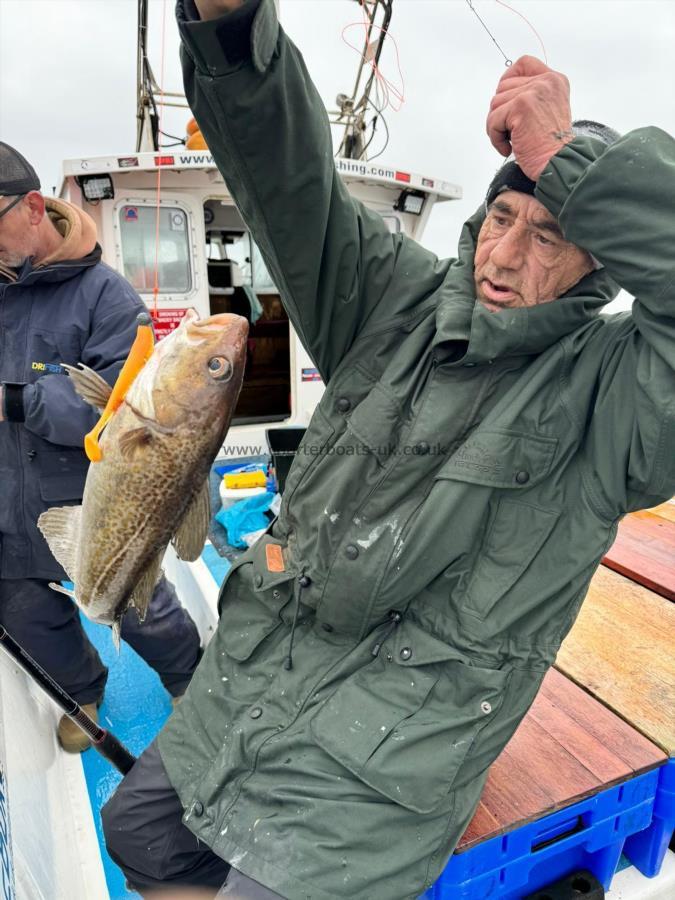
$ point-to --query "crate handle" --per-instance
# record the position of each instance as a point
(559, 832)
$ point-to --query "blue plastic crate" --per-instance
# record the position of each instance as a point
(587, 835)
(647, 849)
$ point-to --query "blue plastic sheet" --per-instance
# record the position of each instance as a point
(245, 516)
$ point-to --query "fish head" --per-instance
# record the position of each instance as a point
(192, 371)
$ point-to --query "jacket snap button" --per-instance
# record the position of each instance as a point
(198, 809)
(522, 477)
(351, 551)
(256, 712)
(276, 594)
(405, 653)
(422, 448)
(304, 581)
(31, 454)
(258, 580)
(344, 405)
(486, 707)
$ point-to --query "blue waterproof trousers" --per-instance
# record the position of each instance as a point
(47, 625)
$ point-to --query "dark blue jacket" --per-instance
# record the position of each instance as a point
(67, 312)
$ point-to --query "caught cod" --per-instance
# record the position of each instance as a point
(151, 485)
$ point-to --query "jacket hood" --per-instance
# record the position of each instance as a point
(75, 226)
(512, 332)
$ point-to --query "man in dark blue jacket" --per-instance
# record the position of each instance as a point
(60, 304)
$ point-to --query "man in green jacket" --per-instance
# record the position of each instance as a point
(482, 432)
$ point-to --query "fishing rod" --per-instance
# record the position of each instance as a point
(102, 740)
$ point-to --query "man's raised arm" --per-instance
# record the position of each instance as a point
(265, 124)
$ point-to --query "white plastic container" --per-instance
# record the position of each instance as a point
(230, 496)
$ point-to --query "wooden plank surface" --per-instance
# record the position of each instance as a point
(569, 746)
(644, 550)
(665, 510)
(622, 650)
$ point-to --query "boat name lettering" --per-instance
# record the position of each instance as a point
(353, 166)
(200, 159)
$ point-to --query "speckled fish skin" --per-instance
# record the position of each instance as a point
(134, 501)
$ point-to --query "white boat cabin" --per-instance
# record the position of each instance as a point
(207, 260)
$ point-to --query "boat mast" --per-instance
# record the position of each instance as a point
(352, 110)
(147, 129)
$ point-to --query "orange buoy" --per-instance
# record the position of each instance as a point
(192, 126)
(196, 142)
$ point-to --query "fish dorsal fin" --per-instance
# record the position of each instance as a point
(132, 440)
(145, 587)
(60, 526)
(191, 533)
(91, 386)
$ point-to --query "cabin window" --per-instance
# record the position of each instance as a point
(138, 230)
(233, 260)
(239, 283)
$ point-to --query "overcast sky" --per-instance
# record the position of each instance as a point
(68, 76)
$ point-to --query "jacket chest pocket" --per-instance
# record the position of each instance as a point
(404, 723)
(48, 349)
(516, 532)
(518, 525)
(371, 414)
(252, 598)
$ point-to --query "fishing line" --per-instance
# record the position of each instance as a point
(508, 62)
(155, 289)
(528, 23)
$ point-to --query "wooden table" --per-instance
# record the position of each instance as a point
(622, 650)
(568, 747)
(644, 549)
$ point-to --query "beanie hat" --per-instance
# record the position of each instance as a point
(17, 176)
(512, 178)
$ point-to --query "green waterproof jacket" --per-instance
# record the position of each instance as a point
(458, 484)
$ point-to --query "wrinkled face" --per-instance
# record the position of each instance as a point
(521, 256)
(18, 230)
(194, 371)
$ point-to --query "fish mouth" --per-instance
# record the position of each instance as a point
(201, 328)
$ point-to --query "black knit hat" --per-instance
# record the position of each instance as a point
(17, 176)
(512, 178)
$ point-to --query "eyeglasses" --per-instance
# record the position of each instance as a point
(3, 212)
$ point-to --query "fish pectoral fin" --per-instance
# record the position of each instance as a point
(60, 526)
(145, 587)
(91, 386)
(132, 440)
(55, 586)
(190, 535)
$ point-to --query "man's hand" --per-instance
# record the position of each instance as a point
(212, 9)
(530, 113)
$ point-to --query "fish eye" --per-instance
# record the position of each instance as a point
(220, 368)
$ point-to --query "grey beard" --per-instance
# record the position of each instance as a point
(13, 260)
